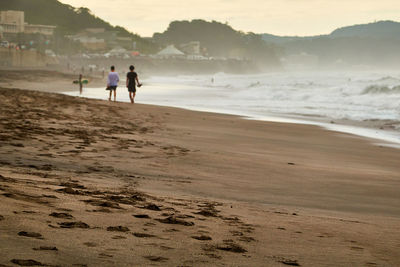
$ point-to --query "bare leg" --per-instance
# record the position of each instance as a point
(130, 97)
(80, 89)
(115, 95)
(109, 98)
(133, 97)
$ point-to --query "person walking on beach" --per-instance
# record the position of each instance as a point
(131, 80)
(80, 83)
(112, 83)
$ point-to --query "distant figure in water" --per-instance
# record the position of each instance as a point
(80, 84)
(112, 83)
(131, 81)
(212, 80)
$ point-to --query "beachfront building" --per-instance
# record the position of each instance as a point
(170, 52)
(191, 48)
(13, 22)
(99, 39)
(90, 43)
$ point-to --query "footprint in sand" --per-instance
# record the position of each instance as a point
(26, 262)
(30, 234)
(61, 215)
(119, 237)
(152, 207)
(202, 237)
(73, 225)
(118, 229)
(90, 244)
(46, 248)
(143, 235)
(173, 220)
(246, 239)
(140, 216)
(155, 258)
(104, 255)
(289, 262)
(231, 247)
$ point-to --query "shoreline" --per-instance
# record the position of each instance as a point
(379, 130)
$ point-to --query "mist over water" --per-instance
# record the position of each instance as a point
(336, 95)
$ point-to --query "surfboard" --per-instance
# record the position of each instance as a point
(83, 82)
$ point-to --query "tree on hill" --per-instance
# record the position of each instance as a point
(219, 40)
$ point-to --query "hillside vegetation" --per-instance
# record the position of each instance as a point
(68, 19)
(373, 44)
(218, 40)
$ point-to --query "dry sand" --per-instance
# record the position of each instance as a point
(95, 183)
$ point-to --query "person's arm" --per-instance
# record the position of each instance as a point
(137, 79)
(108, 80)
(127, 80)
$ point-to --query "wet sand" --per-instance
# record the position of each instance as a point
(95, 183)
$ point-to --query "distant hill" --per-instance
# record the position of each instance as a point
(68, 19)
(218, 40)
(373, 44)
(381, 29)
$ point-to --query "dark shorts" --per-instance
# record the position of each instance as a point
(111, 88)
(132, 89)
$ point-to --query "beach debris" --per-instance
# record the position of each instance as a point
(291, 163)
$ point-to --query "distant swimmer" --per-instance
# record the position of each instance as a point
(131, 80)
(112, 83)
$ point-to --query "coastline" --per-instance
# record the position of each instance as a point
(258, 186)
(380, 132)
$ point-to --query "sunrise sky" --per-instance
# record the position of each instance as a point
(280, 17)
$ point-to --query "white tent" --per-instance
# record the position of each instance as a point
(170, 51)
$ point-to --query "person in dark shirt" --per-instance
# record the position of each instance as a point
(131, 81)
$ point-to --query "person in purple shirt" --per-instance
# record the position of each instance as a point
(112, 82)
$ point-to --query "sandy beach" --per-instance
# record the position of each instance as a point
(95, 183)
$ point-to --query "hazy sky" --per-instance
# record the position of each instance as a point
(281, 17)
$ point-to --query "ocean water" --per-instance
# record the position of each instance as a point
(298, 97)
